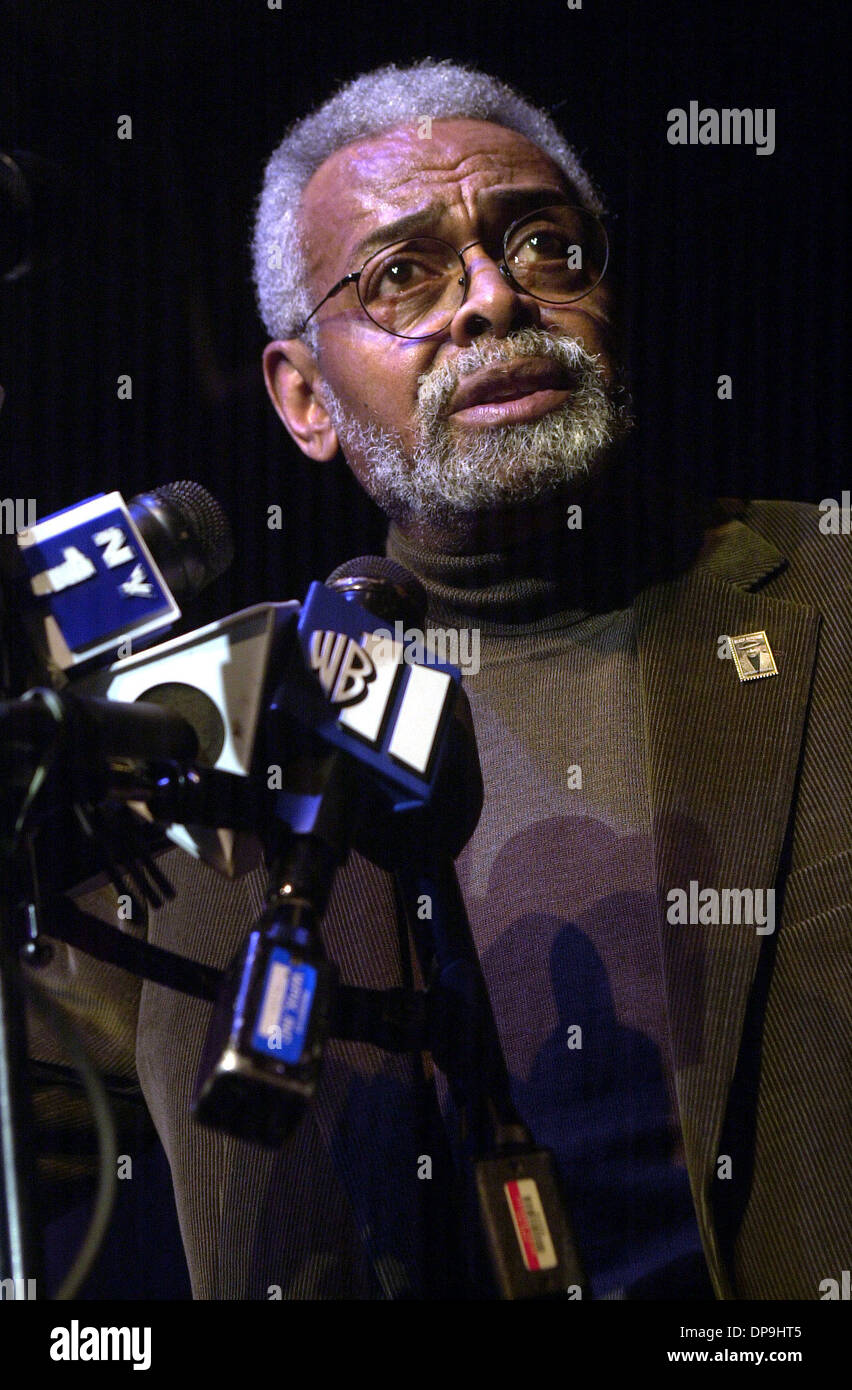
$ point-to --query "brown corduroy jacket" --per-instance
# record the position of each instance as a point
(750, 788)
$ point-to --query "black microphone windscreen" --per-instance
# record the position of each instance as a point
(205, 519)
(188, 534)
(34, 212)
(384, 587)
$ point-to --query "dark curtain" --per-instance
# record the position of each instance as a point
(733, 263)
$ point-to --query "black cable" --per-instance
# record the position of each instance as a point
(68, 1034)
(51, 701)
(55, 1074)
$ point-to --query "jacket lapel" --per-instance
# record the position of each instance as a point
(722, 759)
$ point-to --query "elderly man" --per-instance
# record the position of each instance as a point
(659, 884)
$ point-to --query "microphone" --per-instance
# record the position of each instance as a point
(104, 574)
(33, 191)
(188, 533)
(253, 684)
(363, 712)
(103, 731)
(387, 711)
(446, 804)
(220, 679)
(383, 587)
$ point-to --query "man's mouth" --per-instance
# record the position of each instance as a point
(510, 391)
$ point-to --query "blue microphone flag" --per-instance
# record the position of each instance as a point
(90, 582)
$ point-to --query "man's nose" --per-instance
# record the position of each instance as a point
(492, 303)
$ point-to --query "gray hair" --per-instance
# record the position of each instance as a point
(369, 104)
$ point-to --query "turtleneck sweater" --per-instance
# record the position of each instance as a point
(558, 881)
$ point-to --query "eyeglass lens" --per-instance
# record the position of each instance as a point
(413, 288)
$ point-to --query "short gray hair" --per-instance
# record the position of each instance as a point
(369, 104)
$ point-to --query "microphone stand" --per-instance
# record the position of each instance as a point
(21, 1254)
(20, 1246)
(36, 734)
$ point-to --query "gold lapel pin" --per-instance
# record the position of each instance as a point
(753, 656)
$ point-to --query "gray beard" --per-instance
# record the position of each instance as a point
(454, 470)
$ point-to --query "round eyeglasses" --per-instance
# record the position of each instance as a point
(413, 288)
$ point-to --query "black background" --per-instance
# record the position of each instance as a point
(733, 262)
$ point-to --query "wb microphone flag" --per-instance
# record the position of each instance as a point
(88, 582)
(386, 710)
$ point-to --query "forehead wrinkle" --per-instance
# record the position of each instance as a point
(388, 194)
(379, 183)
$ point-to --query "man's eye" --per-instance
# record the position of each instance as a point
(402, 273)
(543, 245)
(398, 273)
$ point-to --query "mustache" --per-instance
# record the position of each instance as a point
(436, 386)
(442, 472)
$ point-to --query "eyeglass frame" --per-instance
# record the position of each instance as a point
(355, 275)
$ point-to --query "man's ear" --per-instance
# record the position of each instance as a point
(291, 374)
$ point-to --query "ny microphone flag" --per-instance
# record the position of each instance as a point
(87, 582)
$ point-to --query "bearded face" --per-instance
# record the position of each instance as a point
(456, 469)
(512, 400)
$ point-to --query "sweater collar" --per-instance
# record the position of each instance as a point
(600, 567)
